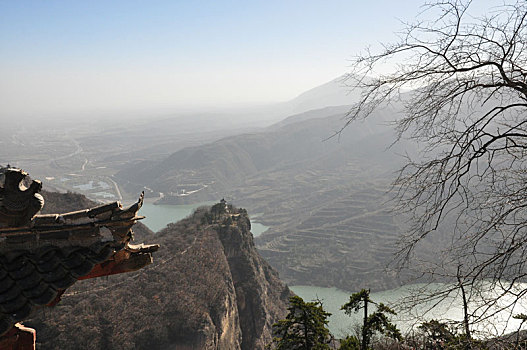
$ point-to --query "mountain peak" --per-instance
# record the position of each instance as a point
(332, 93)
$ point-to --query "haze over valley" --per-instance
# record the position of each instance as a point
(322, 195)
(371, 150)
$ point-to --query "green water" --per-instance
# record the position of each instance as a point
(257, 228)
(332, 299)
(341, 324)
(158, 216)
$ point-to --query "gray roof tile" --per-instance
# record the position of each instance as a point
(40, 260)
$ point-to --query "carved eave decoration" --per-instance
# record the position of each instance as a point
(43, 255)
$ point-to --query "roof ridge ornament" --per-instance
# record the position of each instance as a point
(43, 255)
(20, 199)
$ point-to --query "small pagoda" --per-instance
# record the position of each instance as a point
(43, 255)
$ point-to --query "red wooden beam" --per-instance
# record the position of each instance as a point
(19, 338)
(123, 261)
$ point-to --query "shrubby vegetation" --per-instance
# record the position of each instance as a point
(124, 311)
(183, 299)
(305, 327)
(55, 202)
(373, 322)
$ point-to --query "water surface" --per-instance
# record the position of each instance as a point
(257, 228)
(341, 324)
(158, 216)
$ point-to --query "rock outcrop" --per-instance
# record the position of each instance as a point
(208, 289)
(261, 297)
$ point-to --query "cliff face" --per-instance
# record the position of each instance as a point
(261, 296)
(208, 288)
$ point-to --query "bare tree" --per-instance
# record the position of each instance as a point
(461, 79)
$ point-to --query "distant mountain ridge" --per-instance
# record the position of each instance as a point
(323, 193)
(332, 93)
(216, 167)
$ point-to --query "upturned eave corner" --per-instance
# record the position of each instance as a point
(42, 255)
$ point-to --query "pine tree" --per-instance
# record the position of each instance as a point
(374, 322)
(304, 328)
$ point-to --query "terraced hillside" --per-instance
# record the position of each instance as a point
(330, 226)
(324, 200)
(347, 242)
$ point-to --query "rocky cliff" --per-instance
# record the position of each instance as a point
(207, 289)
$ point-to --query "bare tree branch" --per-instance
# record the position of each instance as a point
(462, 82)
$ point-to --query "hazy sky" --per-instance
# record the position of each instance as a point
(77, 56)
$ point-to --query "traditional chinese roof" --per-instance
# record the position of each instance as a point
(41, 259)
